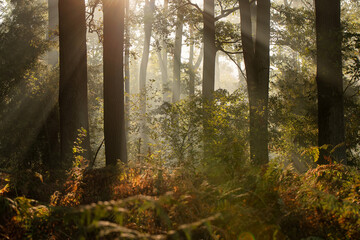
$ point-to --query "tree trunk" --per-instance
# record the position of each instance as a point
(191, 63)
(209, 50)
(177, 58)
(193, 67)
(127, 68)
(164, 63)
(73, 100)
(114, 115)
(53, 13)
(51, 125)
(217, 70)
(148, 21)
(256, 57)
(329, 79)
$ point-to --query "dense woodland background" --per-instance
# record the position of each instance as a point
(179, 119)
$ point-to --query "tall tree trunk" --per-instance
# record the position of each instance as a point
(177, 58)
(127, 68)
(193, 67)
(257, 60)
(164, 62)
(73, 100)
(114, 115)
(191, 63)
(148, 21)
(208, 84)
(162, 56)
(217, 70)
(51, 125)
(53, 15)
(329, 79)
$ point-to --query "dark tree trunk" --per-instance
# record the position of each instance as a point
(51, 128)
(329, 79)
(114, 114)
(53, 13)
(51, 125)
(127, 68)
(256, 57)
(209, 49)
(73, 100)
(177, 58)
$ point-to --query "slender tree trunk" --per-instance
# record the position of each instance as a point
(329, 79)
(164, 63)
(148, 21)
(209, 49)
(193, 67)
(217, 70)
(162, 56)
(114, 115)
(256, 57)
(177, 58)
(191, 63)
(73, 100)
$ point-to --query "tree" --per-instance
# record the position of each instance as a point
(53, 15)
(73, 78)
(329, 78)
(19, 29)
(162, 53)
(192, 68)
(148, 22)
(257, 61)
(127, 66)
(209, 49)
(177, 57)
(114, 111)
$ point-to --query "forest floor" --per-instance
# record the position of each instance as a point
(156, 203)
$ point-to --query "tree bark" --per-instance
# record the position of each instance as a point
(114, 114)
(177, 58)
(217, 70)
(73, 100)
(329, 79)
(51, 125)
(164, 63)
(127, 68)
(53, 15)
(257, 60)
(148, 21)
(208, 84)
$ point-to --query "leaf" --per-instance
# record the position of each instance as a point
(38, 175)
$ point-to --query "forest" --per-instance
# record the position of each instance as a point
(180, 119)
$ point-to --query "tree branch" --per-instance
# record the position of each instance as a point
(233, 60)
(196, 6)
(227, 12)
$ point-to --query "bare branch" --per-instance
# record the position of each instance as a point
(227, 12)
(234, 61)
(196, 6)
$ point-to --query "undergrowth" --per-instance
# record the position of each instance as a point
(178, 192)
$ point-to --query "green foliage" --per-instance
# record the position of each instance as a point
(293, 110)
(28, 87)
(22, 41)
